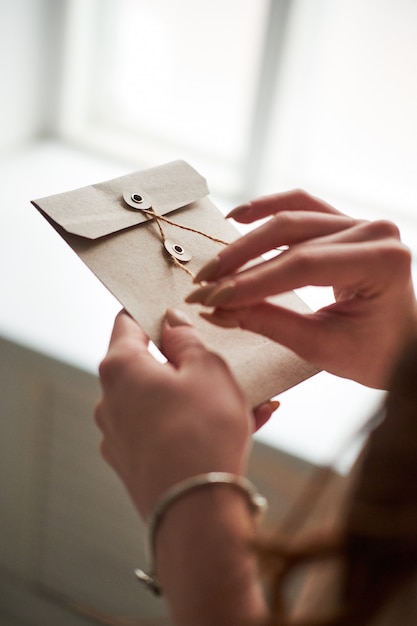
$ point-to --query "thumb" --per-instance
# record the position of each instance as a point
(180, 340)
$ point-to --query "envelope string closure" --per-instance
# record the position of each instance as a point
(177, 253)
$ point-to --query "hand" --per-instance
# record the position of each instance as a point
(360, 335)
(162, 423)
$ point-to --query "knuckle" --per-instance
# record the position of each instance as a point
(283, 220)
(392, 256)
(114, 365)
(105, 370)
(303, 258)
(98, 410)
(397, 256)
(209, 365)
(207, 359)
(299, 198)
(108, 369)
(383, 229)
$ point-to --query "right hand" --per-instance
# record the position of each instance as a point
(162, 423)
(361, 334)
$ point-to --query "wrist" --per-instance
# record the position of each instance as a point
(255, 502)
(204, 559)
(162, 476)
(200, 537)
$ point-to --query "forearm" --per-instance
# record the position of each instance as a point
(205, 563)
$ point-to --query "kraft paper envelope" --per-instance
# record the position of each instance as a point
(124, 248)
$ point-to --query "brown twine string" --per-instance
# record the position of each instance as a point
(160, 218)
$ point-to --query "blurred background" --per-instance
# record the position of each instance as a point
(259, 96)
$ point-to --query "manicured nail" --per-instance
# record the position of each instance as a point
(175, 317)
(273, 404)
(239, 211)
(217, 319)
(199, 295)
(221, 294)
(208, 271)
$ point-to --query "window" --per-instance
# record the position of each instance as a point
(164, 80)
(258, 95)
(345, 121)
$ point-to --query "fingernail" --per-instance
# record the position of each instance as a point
(199, 295)
(208, 271)
(221, 294)
(218, 320)
(175, 317)
(274, 404)
(239, 211)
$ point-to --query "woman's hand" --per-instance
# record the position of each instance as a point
(357, 337)
(162, 423)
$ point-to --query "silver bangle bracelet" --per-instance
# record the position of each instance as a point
(256, 502)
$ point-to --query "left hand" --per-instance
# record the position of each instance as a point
(162, 423)
(361, 334)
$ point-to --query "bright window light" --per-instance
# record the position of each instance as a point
(345, 119)
(171, 79)
(182, 72)
(258, 95)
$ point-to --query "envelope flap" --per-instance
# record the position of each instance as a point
(102, 209)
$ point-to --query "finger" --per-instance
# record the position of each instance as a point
(364, 268)
(127, 329)
(328, 339)
(263, 413)
(128, 349)
(301, 333)
(329, 230)
(296, 200)
(360, 230)
(286, 228)
(102, 421)
(180, 340)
